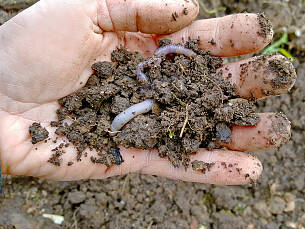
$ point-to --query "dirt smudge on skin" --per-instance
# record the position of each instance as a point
(280, 127)
(201, 166)
(265, 25)
(285, 74)
(275, 72)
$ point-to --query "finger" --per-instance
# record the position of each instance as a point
(231, 35)
(225, 167)
(153, 16)
(20, 157)
(261, 76)
(272, 131)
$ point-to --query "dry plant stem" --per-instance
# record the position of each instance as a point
(185, 121)
(179, 100)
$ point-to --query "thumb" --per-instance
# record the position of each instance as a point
(146, 16)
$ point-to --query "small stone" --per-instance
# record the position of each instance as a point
(223, 133)
(76, 197)
(277, 205)
(101, 198)
(87, 210)
(290, 206)
(44, 193)
(262, 209)
(290, 224)
(164, 84)
(289, 197)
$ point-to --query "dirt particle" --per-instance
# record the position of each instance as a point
(102, 69)
(55, 158)
(238, 170)
(212, 42)
(280, 126)
(201, 166)
(38, 133)
(232, 43)
(223, 133)
(285, 73)
(264, 24)
(175, 16)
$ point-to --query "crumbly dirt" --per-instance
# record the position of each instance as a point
(195, 107)
(38, 133)
(142, 201)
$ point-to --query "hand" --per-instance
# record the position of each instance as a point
(46, 53)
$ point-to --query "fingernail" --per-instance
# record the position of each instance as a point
(284, 74)
(265, 28)
(280, 130)
(266, 75)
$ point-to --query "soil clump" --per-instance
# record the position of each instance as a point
(38, 133)
(195, 107)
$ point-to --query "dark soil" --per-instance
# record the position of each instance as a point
(38, 133)
(265, 25)
(195, 107)
(142, 201)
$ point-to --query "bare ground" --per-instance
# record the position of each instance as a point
(141, 201)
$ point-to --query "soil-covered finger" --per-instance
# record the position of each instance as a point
(210, 167)
(231, 35)
(271, 131)
(156, 17)
(262, 76)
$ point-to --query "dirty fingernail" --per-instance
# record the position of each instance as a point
(281, 76)
(265, 31)
(280, 130)
(262, 76)
(271, 131)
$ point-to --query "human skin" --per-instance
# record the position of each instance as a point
(46, 53)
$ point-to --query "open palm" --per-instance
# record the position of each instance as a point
(46, 53)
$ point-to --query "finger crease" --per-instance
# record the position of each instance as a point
(113, 26)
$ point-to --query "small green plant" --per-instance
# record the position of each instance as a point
(276, 47)
(228, 211)
(171, 134)
(207, 199)
(200, 226)
(239, 208)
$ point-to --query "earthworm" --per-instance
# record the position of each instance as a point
(174, 49)
(141, 76)
(140, 108)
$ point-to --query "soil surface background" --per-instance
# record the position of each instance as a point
(142, 201)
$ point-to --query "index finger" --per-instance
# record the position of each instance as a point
(148, 16)
(232, 35)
